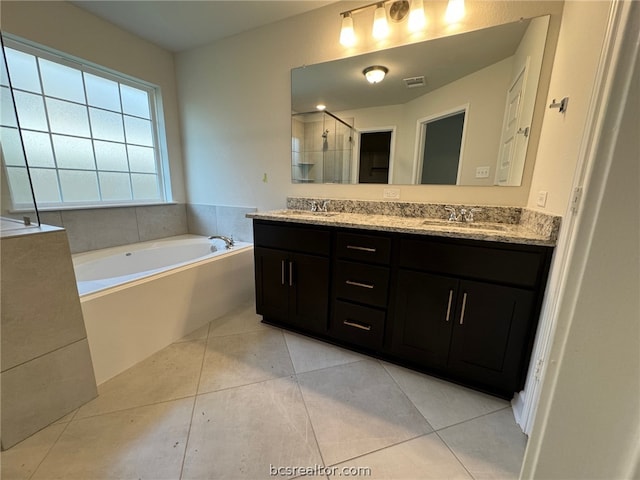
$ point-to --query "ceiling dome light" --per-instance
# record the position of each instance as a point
(455, 11)
(417, 20)
(347, 34)
(380, 24)
(375, 73)
(321, 107)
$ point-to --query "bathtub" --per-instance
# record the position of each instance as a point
(137, 299)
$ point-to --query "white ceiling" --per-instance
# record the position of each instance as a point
(178, 25)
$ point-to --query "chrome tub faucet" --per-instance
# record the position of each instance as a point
(228, 241)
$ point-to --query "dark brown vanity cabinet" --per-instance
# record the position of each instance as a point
(292, 275)
(462, 309)
(467, 311)
(361, 280)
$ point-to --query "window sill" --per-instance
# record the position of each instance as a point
(92, 207)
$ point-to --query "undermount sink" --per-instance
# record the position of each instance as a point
(309, 213)
(496, 227)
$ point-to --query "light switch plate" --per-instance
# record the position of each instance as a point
(542, 198)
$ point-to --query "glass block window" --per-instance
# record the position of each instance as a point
(90, 136)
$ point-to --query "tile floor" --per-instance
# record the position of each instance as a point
(239, 399)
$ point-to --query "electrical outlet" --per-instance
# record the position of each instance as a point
(391, 193)
(542, 198)
(482, 172)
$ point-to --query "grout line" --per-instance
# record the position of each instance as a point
(472, 418)
(195, 398)
(304, 403)
(53, 444)
(46, 353)
(454, 454)
(160, 402)
(381, 449)
(406, 396)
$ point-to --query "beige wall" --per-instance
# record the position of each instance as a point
(577, 55)
(235, 107)
(65, 27)
(588, 422)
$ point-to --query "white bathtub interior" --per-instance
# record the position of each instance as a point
(182, 285)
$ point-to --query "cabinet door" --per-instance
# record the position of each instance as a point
(488, 342)
(272, 287)
(309, 292)
(425, 307)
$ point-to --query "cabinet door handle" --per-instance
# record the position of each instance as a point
(358, 284)
(464, 305)
(291, 273)
(362, 249)
(449, 305)
(282, 277)
(354, 324)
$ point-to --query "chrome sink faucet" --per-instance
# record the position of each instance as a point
(228, 241)
(466, 214)
(317, 207)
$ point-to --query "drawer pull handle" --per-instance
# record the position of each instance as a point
(449, 305)
(357, 325)
(282, 278)
(358, 284)
(362, 249)
(464, 305)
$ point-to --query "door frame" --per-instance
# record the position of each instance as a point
(421, 132)
(355, 171)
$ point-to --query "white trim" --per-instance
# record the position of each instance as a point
(416, 173)
(392, 149)
(525, 403)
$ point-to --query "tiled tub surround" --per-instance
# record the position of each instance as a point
(518, 225)
(46, 364)
(97, 228)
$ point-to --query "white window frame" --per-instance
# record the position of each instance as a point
(156, 118)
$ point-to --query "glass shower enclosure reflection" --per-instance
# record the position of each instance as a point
(322, 148)
(17, 201)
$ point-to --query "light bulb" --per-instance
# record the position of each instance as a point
(380, 24)
(455, 11)
(417, 20)
(347, 34)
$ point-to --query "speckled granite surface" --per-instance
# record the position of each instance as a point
(494, 223)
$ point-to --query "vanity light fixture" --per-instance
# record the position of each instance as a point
(417, 20)
(375, 73)
(398, 11)
(380, 25)
(455, 11)
(347, 34)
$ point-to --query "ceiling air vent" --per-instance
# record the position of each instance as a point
(413, 82)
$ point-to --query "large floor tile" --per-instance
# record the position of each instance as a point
(426, 458)
(443, 403)
(20, 461)
(243, 432)
(170, 374)
(357, 408)
(308, 354)
(241, 320)
(490, 447)
(145, 442)
(235, 360)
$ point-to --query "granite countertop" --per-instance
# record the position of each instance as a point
(521, 227)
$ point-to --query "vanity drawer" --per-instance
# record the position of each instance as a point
(296, 239)
(496, 264)
(363, 248)
(362, 283)
(359, 325)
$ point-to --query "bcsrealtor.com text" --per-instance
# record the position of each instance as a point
(318, 471)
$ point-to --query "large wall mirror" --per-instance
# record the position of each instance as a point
(452, 111)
